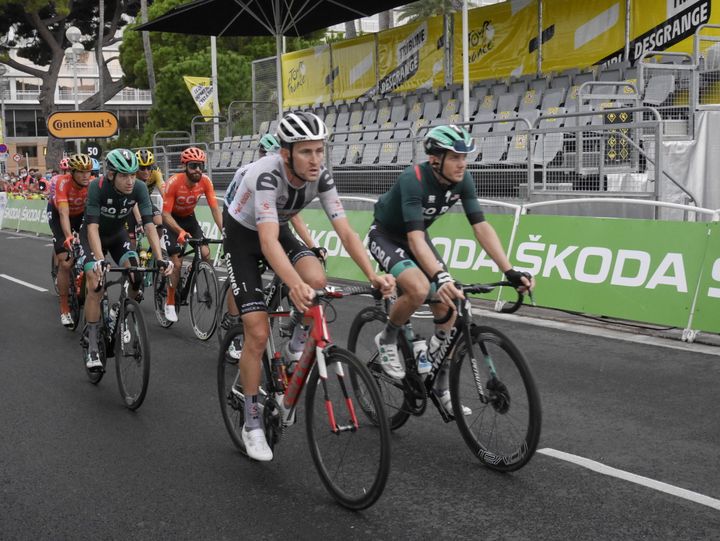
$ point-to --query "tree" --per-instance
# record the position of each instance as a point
(428, 8)
(38, 34)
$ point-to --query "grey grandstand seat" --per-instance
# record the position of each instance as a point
(484, 126)
(498, 88)
(370, 153)
(337, 154)
(450, 108)
(419, 126)
(488, 103)
(508, 102)
(343, 118)
(658, 88)
(354, 152)
(398, 109)
(369, 113)
(560, 81)
(426, 95)
(505, 123)
(416, 111)
(431, 111)
(530, 100)
(356, 133)
(575, 121)
(518, 149)
(405, 149)
(477, 92)
(386, 134)
(492, 149)
(539, 85)
(248, 156)
(383, 114)
(445, 96)
(330, 117)
(518, 87)
(367, 132)
(264, 125)
(455, 118)
(531, 116)
(610, 74)
(547, 147)
(571, 99)
(552, 98)
(272, 128)
(356, 113)
(320, 111)
(388, 152)
(548, 118)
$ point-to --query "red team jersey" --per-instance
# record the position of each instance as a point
(68, 193)
(180, 199)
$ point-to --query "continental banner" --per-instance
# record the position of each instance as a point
(355, 73)
(581, 34)
(665, 25)
(411, 56)
(502, 41)
(306, 76)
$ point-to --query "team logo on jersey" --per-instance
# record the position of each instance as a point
(109, 202)
(431, 198)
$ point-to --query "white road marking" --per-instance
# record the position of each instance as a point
(21, 282)
(631, 477)
(50, 244)
(14, 238)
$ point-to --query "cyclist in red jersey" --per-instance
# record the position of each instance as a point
(182, 193)
(65, 213)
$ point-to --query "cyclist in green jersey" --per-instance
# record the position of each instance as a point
(399, 242)
(109, 202)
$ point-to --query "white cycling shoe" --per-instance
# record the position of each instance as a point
(66, 320)
(170, 313)
(446, 401)
(234, 351)
(390, 359)
(256, 445)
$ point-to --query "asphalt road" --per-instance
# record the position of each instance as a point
(75, 464)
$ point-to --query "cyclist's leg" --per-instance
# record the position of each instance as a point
(174, 249)
(130, 225)
(119, 246)
(63, 272)
(92, 300)
(242, 249)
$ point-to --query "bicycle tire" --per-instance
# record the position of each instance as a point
(503, 431)
(391, 390)
(203, 301)
(54, 272)
(222, 312)
(74, 303)
(159, 298)
(232, 406)
(132, 356)
(358, 454)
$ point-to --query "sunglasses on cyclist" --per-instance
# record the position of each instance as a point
(196, 165)
(145, 167)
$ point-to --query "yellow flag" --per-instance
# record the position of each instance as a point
(202, 92)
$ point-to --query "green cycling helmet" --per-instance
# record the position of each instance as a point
(450, 137)
(121, 160)
(269, 143)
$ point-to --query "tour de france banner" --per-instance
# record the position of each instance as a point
(202, 93)
(411, 56)
(306, 76)
(581, 34)
(501, 41)
(355, 67)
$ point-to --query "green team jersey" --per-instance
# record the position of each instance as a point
(417, 199)
(109, 208)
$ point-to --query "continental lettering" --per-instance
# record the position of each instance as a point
(59, 125)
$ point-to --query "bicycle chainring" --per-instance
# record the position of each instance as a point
(415, 394)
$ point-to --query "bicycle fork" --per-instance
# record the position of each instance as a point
(340, 373)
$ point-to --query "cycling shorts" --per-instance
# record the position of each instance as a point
(116, 244)
(187, 223)
(244, 259)
(56, 228)
(392, 252)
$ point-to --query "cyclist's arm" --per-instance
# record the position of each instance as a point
(354, 246)
(212, 201)
(423, 253)
(168, 203)
(136, 213)
(64, 212)
(302, 230)
(488, 239)
(159, 182)
(94, 241)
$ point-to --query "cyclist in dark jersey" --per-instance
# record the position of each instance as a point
(109, 202)
(399, 242)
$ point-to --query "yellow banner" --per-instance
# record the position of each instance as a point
(306, 76)
(202, 92)
(578, 35)
(668, 25)
(500, 41)
(356, 67)
(411, 56)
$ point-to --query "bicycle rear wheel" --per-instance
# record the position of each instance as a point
(159, 298)
(232, 403)
(204, 301)
(132, 356)
(351, 450)
(361, 341)
(504, 428)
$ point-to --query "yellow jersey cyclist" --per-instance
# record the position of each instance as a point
(109, 202)
(268, 144)
(399, 242)
(151, 175)
(274, 189)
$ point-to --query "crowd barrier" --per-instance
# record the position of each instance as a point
(653, 271)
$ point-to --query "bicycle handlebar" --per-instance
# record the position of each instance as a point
(202, 241)
(346, 292)
(123, 270)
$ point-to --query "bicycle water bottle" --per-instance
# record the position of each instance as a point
(420, 349)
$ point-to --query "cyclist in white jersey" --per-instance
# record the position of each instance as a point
(274, 189)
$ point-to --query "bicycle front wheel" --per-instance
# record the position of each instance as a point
(350, 449)
(159, 297)
(132, 356)
(222, 323)
(232, 398)
(361, 341)
(204, 301)
(495, 383)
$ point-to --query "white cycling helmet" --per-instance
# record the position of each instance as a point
(301, 126)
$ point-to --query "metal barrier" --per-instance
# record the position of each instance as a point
(205, 129)
(244, 117)
(706, 56)
(172, 153)
(162, 138)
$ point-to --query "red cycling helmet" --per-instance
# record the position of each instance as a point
(192, 154)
